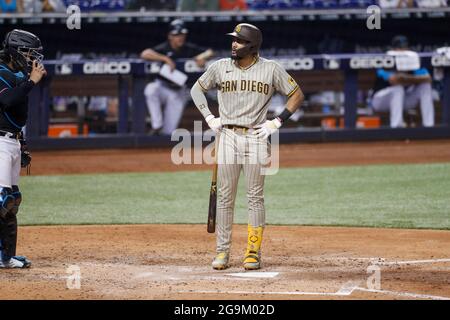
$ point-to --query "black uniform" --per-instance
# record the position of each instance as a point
(20, 50)
(188, 50)
(14, 90)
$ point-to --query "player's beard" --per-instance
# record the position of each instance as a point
(233, 55)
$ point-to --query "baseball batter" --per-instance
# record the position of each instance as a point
(20, 70)
(246, 83)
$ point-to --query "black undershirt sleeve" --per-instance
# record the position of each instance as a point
(9, 97)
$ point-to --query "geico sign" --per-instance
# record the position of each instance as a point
(372, 62)
(297, 63)
(191, 66)
(440, 61)
(112, 67)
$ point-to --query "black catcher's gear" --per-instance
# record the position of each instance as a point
(23, 48)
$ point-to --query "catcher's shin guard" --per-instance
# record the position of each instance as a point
(11, 199)
(6, 201)
(8, 235)
(252, 260)
(17, 200)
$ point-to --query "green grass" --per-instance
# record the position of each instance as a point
(401, 196)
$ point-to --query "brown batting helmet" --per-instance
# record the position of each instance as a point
(249, 33)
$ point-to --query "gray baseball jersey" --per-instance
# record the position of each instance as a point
(244, 94)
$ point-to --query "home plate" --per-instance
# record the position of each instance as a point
(254, 274)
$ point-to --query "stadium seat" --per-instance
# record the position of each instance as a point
(320, 4)
(356, 3)
(99, 5)
(257, 5)
(284, 4)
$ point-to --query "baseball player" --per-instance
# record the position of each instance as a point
(395, 91)
(245, 83)
(163, 93)
(20, 71)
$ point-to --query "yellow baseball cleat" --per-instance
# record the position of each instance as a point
(252, 260)
(220, 262)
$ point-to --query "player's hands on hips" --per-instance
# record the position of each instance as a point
(37, 72)
(268, 128)
(214, 123)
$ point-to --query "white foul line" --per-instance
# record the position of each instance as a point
(271, 292)
(339, 293)
(346, 290)
(412, 262)
(254, 274)
(404, 294)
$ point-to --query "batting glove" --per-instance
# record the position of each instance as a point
(268, 128)
(214, 123)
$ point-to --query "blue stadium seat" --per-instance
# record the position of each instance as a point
(284, 4)
(99, 5)
(356, 3)
(257, 4)
(320, 4)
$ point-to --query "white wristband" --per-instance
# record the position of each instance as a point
(209, 117)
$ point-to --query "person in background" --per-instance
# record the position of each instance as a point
(230, 5)
(10, 6)
(198, 5)
(53, 6)
(149, 5)
(431, 3)
(38, 6)
(163, 93)
(396, 91)
(396, 3)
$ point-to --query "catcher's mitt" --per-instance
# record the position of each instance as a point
(25, 155)
(25, 158)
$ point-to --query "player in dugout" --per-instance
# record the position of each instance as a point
(396, 91)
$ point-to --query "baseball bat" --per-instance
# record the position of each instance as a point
(212, 209)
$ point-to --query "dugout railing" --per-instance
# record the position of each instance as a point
(127, 79)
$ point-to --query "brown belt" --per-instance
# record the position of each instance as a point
(237, 128)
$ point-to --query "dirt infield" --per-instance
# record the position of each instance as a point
(173, 261)
(292, 155)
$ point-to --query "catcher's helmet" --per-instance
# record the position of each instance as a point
(249, 33)
(177, 27)
(23, 48)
